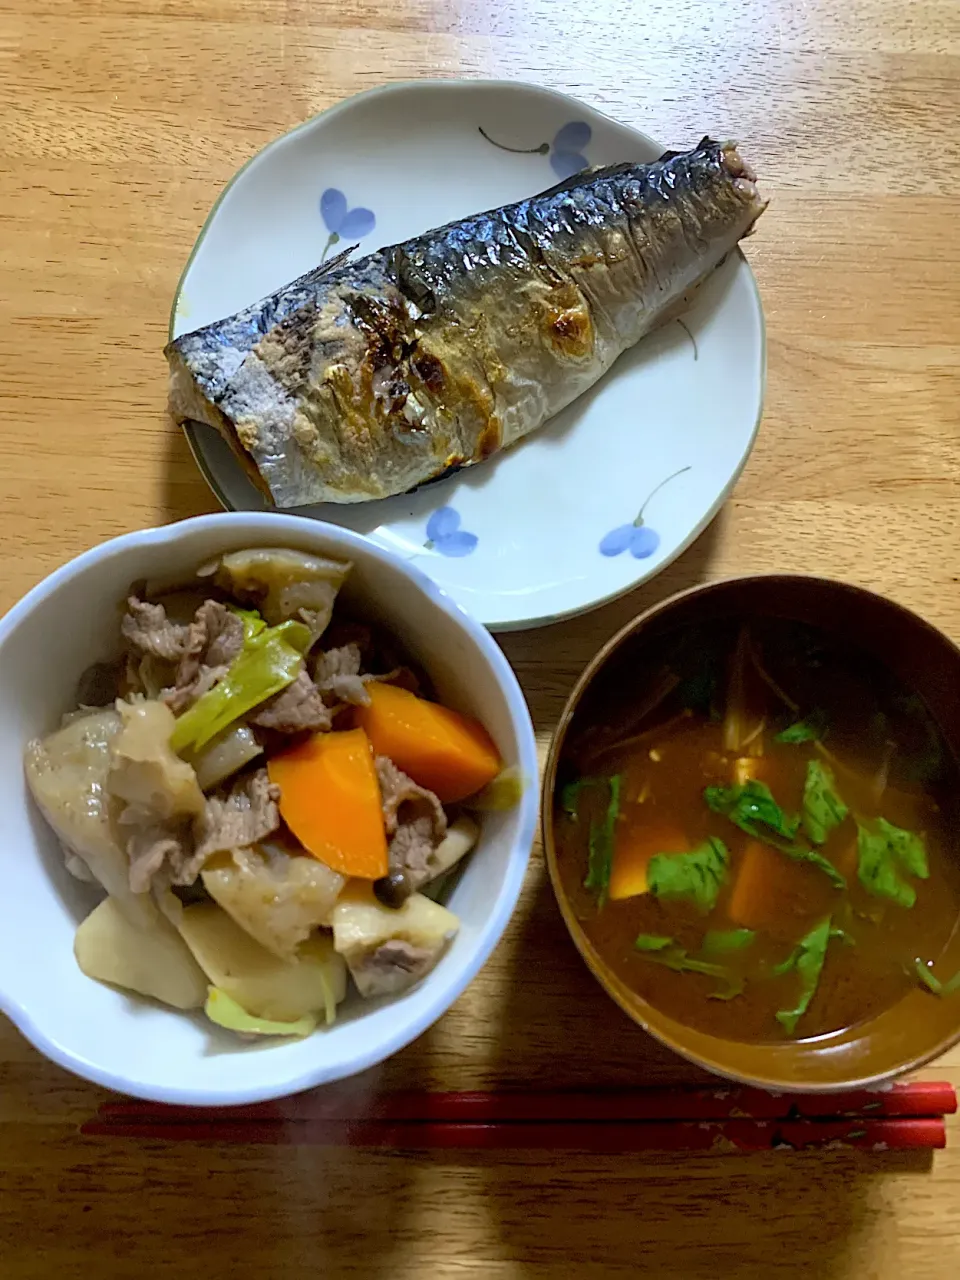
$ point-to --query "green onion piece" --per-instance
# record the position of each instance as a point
(662, 950)
(253, 624)
(225, 1012)
(268, 663)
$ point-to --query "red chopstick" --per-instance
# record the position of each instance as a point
(343, 1103)
(721, 1137)
(672, 1119)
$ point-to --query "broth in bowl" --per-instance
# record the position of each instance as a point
(751, 826)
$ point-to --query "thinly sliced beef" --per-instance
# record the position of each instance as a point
(217, 633)
(247, 815)
(393, 967)
(149, 632)
(173, 851)
(337, 676)
(337, 673)
(380, 659)
(160, 853)
(297, 709)
(344, 631)
(415, 822)
(411, 850)
(214, 640)
(404, 800)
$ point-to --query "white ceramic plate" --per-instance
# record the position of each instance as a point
(610, 491)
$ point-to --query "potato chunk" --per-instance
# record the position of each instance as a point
(313, 981)
(388, 950)
(145, 771)
(149, 958)
(67, 776)
(278, 898)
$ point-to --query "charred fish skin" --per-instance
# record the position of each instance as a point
(366, 379)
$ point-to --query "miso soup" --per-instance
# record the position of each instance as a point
(753, 825)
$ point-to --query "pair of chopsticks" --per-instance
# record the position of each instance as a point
(903, 1117)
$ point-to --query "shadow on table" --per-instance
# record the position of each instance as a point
(552, 1215)
(746, 1217)
(185, 493)
(694, 1218)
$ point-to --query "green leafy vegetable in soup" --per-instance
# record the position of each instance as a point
(807, 959)
(929, 979)
(752, 808)
(602, 836)
(731, 869)
(652, 942)
(698, 876)
(813, 729)
(571, 793)
(721, 941)
(664, 951)
(887, 859)
(822, 807)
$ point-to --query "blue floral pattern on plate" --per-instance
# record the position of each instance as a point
(342, 222)
(637, 537)
(565, 152)
(445, 535)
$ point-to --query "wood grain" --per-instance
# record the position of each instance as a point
(122, 119)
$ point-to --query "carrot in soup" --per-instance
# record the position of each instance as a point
(636, 845)
(774, 894)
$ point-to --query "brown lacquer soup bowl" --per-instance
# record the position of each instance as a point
(884, 947)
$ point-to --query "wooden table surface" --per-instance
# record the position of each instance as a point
(122, 119)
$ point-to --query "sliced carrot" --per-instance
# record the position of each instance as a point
(446, 752)
(636, 844)
(774, 894)
(330, 800)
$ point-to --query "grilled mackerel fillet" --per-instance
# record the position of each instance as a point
(367, 378)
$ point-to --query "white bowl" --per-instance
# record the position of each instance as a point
(131, 1044)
